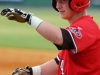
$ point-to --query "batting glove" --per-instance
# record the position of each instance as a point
(16, 14)
(23, 71)
(21, 16)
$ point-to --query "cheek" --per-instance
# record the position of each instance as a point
(67, 14)
(67, 11)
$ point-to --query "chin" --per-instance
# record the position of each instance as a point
(64, 17)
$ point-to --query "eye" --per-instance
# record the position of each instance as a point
(63, 1)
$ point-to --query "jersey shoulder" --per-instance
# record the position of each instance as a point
(85, 21)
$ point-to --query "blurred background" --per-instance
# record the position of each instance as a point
(20, 44)
(17, 35)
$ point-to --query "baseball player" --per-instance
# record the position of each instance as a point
(79, 43)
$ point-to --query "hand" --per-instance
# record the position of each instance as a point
(23, 71)
(16, 14)
(21, 16)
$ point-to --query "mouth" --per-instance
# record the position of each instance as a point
(61, 12)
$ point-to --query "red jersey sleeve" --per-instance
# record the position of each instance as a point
(83, 33)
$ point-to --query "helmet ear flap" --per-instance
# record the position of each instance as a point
(54, 4)
(79, 5)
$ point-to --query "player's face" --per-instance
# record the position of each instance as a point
(64, 10)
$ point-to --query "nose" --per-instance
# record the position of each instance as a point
(58, 5)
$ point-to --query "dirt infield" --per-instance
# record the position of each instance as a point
(12, 58)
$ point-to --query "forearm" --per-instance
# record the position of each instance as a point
(50, 32)
(48, 68)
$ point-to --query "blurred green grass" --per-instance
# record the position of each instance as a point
(22, 35)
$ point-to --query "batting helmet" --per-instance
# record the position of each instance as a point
(76, 5)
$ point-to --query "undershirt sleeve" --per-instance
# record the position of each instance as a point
(56, 60)
(67, 41)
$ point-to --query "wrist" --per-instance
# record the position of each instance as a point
(34, 21)
(36, 70)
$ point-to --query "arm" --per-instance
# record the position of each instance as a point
(49, 68)
(50, 32)
(56, 35)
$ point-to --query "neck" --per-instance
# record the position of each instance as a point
(77, 16)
